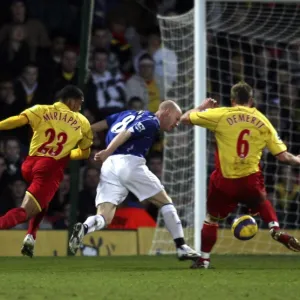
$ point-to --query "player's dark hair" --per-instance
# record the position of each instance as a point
(70, 92)
(241, 93)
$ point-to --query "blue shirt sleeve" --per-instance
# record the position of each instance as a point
(144, 128)
(111, 119)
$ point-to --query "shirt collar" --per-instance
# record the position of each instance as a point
(61, 105)
(156, 118)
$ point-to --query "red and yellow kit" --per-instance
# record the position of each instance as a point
(241, 135)
(56, 132)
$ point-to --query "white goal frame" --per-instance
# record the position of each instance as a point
(200, 178)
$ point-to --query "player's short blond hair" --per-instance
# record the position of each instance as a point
(169, 104)
(241, 92)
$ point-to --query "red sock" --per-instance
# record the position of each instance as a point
(13, 217)
(208, 236)
(35, 222)
(268, 214)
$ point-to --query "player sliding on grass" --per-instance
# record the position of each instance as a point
(57, 129)
(130, 136)
(241, 132)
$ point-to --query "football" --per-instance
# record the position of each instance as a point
(244, 228)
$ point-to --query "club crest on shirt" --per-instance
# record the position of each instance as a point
(139, 127)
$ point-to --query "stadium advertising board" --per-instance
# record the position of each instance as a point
(121, 243)
(54, 243)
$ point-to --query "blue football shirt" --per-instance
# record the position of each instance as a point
(143, 125)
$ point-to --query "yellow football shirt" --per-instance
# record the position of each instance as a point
(241, 135)
(57, 130)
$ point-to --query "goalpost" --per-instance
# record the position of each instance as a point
(217, 44)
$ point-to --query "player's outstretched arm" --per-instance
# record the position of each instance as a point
(118, 140)
(207, 103)
(277, 147)
(100, 126)
(13, 122)
(185, 118)
(289, 158)
(84, 146)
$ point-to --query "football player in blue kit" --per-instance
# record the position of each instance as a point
(129, 138)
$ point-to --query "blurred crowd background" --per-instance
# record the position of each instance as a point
(39, 55)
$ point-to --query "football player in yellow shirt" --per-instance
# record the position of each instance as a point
(57, 130)
(242, 133)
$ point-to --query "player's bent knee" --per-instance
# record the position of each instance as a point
(211, 220)
(31, 205)
(161, 199)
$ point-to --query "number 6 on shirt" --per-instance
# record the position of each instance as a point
(242, 146)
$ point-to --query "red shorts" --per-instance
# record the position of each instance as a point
(43, 174)
(225, 194)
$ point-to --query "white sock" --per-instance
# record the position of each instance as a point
(91, 229)
(205, 255)
(100, 222)
(172, 221)
(94, 223)
(273, 224)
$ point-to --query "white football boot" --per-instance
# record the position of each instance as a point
(187, 253)
(28, 246)
(77, 237)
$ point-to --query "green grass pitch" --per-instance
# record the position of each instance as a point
(153, 278)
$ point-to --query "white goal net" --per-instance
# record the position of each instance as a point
(178, 168)
(258, 42)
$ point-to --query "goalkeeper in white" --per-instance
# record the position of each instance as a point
(129, 138)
